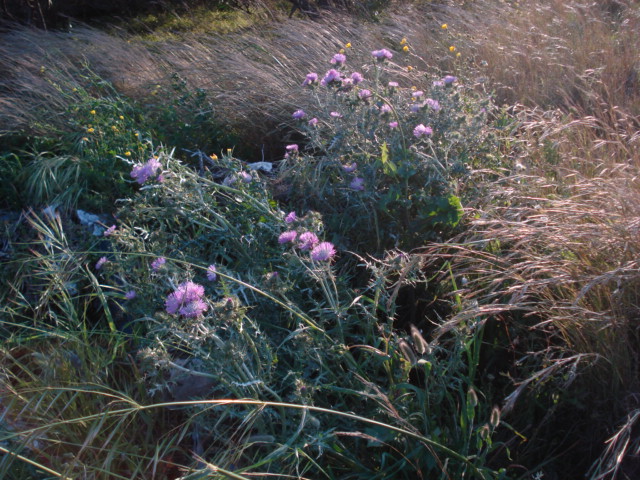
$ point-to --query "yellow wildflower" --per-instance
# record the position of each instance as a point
(452, 48)
(445, 26)
(92, 112)
(348, 45)
(114, 128)
(458, 54)
(403, 41)
(409, 68)
(413, 88)
(341, 50)
(121, 117)
(136, 134)
(405, 48)
(127, 153)
(91, 130)
(213, 156)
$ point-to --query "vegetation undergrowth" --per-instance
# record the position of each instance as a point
(413, 281)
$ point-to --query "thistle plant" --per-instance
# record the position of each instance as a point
(386, 164)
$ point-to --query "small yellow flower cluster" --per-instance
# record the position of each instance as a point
(405, 47)
(452, 48)
(91, 130)
(92, 112)
(347, 45)
(445, 26)
(127, 153)
(213, 156)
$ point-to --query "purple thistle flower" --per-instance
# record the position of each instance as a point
(323, 252)
(357, 184)
(364, 94)
(143, 172)
(393, 84)
(330, 77)
(158, 263)
(211, 273)
(160, 178)
(187, 293)
(386, 108)
(415, 108)
(449, 79)
(422, 131)
(130, 295)
(393, 124)
(336, 114)
(339, 59)
(350, 168)
(246, 177)
(291, 217)
(417, 93)
(307, 241)
(287, 237)
(313, 122)
(101, 262)
(438, 83)
(357, 78)
(292, 148)
(382, 54)
(434, 104)
(310, 79)
(109, 231)
(299, 114)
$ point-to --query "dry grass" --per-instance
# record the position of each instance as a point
(575, 56)
(555, 264)
(254, 75)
